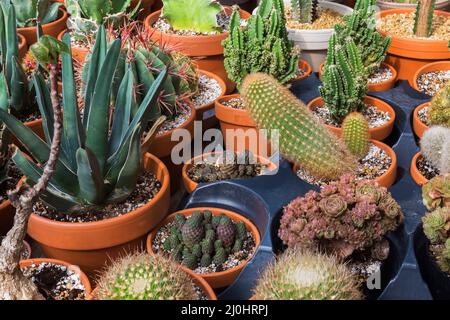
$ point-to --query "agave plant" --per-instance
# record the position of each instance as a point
(100, 158)
(31, 11)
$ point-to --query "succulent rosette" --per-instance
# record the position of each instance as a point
(436, 192)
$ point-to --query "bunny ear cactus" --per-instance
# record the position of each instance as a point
(192, 15)
(30, 11)
(435, 147)
(355, 133)
(99, 163)
(304, 11)
(439, 109)
(423, 18)
(436, 226)
(302, 138)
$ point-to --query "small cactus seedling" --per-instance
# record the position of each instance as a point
(144, 277)
(304, 11)
(436, 192)
(439, 109)
(355, 133)
(192, 15)
(435, 147)
(423, 18)
(302, 138)
(303, 275)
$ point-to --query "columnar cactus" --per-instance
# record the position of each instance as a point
(435, 147)
(302, 138)
(304, 275)
(31, 11)
(304, 11)
(355, 133)
(423, 18)
(261, 46)
(436, 226)
(144, 277)
(436, 192)
(439, 109)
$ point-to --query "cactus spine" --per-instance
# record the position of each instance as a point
(423, 18)
(304, 11)
(302, 138)
(435, 147)
(355, 133)
(439, 109)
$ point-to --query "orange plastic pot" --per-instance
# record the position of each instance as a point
(207, 51)
(23, 47)
(91, 245)
(206, 113)
(381, 86)
(53, 28)
(378, 133)
(416, 175)
(303, 65)
(418, 126)
(78, 53)
(83, 278)
(215, 279)
(191, 185)
(430, 67)
(408, 55)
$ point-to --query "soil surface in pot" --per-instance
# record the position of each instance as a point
(235, 103)
(326, 19)
(56, 282)
(402, 25)
(431, 82)
(426, 168)
(383, 73)
(14, 176)
(374, 116)
(372, 166)
(35, 115)
(177, 121)
(208, 90)
(423, 115)
(146, 189)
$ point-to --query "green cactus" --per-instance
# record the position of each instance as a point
(302, 138)
(435, 147)
(193, 231)
(261, 46)
(344, 79)
(206, 260)
(436, 226)
(304, 11)
(439, 109)
(241, 230)
(423, 18)
(31, 11)
(237, 245)
(144, 277)
(355, 133)
(192, 15)
(303, 275)
(100, 161)
(220, 256)
(190, 261)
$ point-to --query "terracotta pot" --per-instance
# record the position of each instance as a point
(146, 8)
(206, 113)
(7, 212)
(386, 5)
(305, 66)
(53, 28)
(84, 279)
(418, 126)
(206, 50)
(381, 86)
(387, 179)
(191, 185)
(93, 244)
(430, 67)
(215, 279)
(23, 47)
(378, 133)
(78, 53)
(416, 175)
(408, 55)
(199, 281)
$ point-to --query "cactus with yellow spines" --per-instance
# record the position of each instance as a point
(439, 109)
(302, 138)
(355, 134)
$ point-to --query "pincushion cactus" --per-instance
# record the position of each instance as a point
(31, 11)
(304, 11)
(436, 192)
(436, 226)
(439, 109)
(302, 138)
(303, 275)
(345, 216)
(355, 133)
(144, 277)
(435, 147)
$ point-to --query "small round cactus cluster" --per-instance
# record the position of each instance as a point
(439, 110)
(144, 277)
(345, 216)
(303, 275)
(355, 133)
(203, 239)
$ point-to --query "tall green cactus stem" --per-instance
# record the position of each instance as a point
(423, 18)
(31, 11)
(302, 138)
(439, 109)
(344, 79)
(435, 147)
(261, 46)
(304, 11)
(355, 133)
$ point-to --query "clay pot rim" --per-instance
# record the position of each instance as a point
(416, 119)
(307, 70)
(62, 17)
(222, 85)
(116, 220)
(231, 214)
(416, 175)
(22, 40)
(383, 13)
(83, 278)
(219, 104)
(429, 67)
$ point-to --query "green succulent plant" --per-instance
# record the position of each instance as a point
(355, 133)
(435, 147)
(436, 192)
(439, 109)
(99, 162)
(261, 46)
(304, 11)
(423, 18)
(31, 11)
(192, 15)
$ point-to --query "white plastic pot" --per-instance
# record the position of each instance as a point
(386, 5)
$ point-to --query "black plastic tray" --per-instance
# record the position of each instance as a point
(261, 199)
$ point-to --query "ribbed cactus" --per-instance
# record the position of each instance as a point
(423, 18)
(261, 46)
(355, 133)
(302, 275)
(435, 147)
(344, 79)
(436, 226)
(361, 27)
(304, 11)
(302, 138)
(439, 109)
(31, 11)
(144, 277)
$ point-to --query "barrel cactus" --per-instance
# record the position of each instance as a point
(31, 11)
(355, 133)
